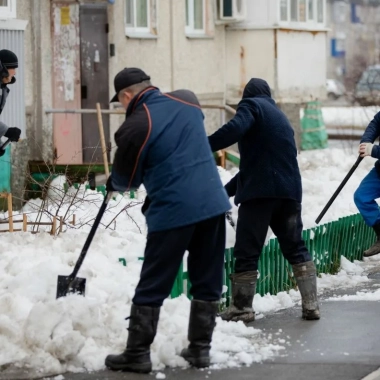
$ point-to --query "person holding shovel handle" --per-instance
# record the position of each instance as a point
(369, 188)
(8, 66)
(163, 144)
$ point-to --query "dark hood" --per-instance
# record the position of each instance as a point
(256, 87)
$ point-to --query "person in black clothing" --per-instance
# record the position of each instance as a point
(163, 144)
(8, 65)
(268, 189)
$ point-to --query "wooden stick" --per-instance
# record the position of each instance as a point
(73, 220)
(229, 109)
(60, 223)
(102, 139)
(223, 159)
(24, 222)
(54, 226)
(10, 212)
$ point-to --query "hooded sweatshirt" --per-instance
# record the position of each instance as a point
(268, 153)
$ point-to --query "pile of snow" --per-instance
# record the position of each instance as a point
(76, 333)
(359, 296)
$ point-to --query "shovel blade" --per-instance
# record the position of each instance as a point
(67, 286)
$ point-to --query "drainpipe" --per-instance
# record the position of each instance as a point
(37, 93)
(171, 45)
(275, 63)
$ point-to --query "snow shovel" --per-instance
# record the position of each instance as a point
(72, 283)
(338, 190)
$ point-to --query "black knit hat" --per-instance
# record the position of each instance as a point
(8, 59)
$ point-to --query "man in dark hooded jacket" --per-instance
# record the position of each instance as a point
(269, 191)
(8, 65)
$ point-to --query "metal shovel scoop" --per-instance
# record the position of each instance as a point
(72, 283)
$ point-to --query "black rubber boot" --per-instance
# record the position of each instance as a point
(375, 248)
(306, 277)
(142, 330)
(243, 291)
(201, 327)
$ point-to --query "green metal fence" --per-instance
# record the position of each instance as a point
(348, 236)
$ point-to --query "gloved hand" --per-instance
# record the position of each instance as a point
(365, 149)
(146, 204)
(109, 187)
(2, 151)
(13, 134)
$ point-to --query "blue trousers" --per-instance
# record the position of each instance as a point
(365, 195)
(164, 251)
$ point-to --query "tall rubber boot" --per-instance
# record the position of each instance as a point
(306, 277)
(142, 330)
(201, 327)
(375, 248)
(243, 291)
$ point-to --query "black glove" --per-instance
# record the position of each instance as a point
(109, 187)
(231, 187)
(13, 134)
(146, 204)
(2, 151)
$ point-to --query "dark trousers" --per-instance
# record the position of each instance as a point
(254, 218)
(163, 256)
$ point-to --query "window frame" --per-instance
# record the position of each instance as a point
(8, 11)
(190, 18)
(309, 22)
(150, 31)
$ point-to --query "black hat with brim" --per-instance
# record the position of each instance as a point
(128, 77)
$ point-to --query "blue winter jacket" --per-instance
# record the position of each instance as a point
(268, 153)
(163, 144)
(371, 133)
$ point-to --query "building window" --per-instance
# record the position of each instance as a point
(7, 9)
(320, 11)
(140, 17)
(195, 16)
(284, 10)
(302, 10)
(310, 10)
(305, 12)
(293, 10)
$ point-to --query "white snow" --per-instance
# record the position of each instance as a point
(76, 333)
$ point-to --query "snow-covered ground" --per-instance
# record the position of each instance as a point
(76, 333)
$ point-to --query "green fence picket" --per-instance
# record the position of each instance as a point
(349, 236)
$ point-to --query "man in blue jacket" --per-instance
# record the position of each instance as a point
(162, 144)
(268, 189)
(369, 188)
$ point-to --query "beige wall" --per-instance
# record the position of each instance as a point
(301, 66)
(250, 54)
(172, 60)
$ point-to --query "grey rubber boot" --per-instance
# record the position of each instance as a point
(306, 277)
(201, 327)
(142, 330)
(243, 291)
(375, 248)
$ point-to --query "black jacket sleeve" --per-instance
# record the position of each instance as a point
(131, 139)
(234, 130)
(231, 186)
